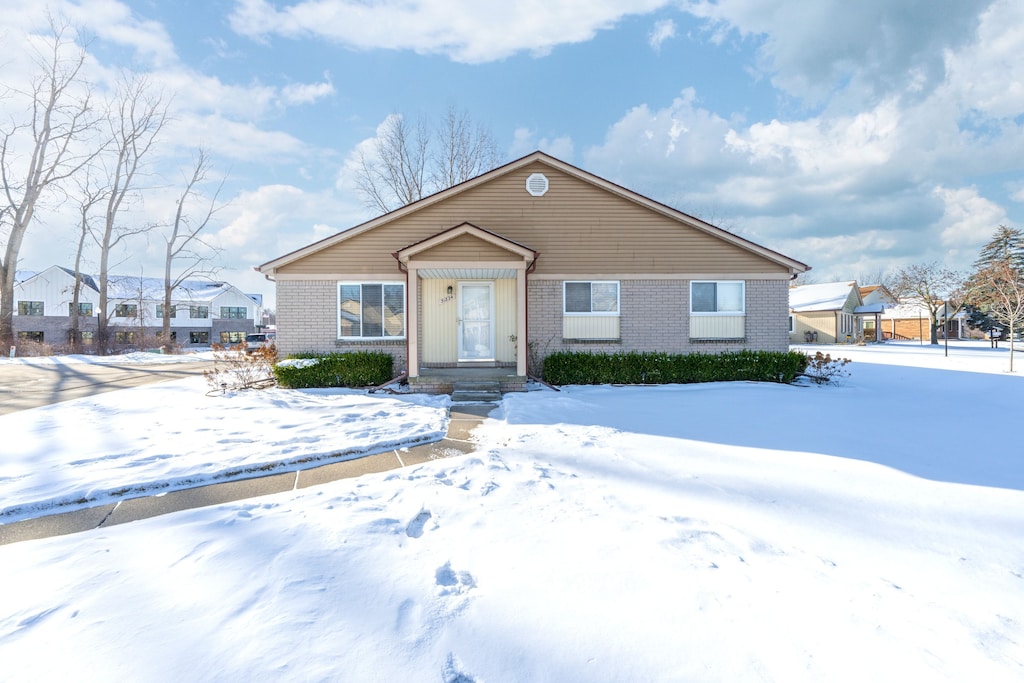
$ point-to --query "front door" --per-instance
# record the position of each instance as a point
(476, 321)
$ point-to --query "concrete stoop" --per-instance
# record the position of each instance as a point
(476, 391)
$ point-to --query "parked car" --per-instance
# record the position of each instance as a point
(260, 340)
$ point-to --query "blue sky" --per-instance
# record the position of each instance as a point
(852, 136)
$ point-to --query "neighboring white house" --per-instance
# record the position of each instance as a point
(202, 312)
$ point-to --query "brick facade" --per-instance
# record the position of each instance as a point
(307, 320)
(654, 317)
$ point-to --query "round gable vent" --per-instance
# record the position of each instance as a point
(537, 184)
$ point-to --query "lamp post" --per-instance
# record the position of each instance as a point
(945, 335)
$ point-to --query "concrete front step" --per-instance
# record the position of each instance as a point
(476, 391)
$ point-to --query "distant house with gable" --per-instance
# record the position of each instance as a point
(202, 312)
(828, 313)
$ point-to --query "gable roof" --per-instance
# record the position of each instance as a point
(830, 296)
(793, 265)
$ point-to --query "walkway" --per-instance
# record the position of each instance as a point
(463, 418)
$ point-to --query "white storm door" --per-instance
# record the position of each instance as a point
(476, 321)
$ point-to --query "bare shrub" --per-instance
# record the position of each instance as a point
(24, 347)
(235, 368)
(822, 368)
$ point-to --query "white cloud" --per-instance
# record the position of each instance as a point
(968, 219)
(465, 30)
(306, 93)
(273, 220)
(677, 150)
(662, 31)
(526, 141)
(988, 75)
(869, 48)
(114, 21)
(232, 139)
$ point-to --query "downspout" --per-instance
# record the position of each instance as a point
(526, 332)
(403, 269)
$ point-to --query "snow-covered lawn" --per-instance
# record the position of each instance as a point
(872, 531)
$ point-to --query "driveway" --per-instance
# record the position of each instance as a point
(30, 386)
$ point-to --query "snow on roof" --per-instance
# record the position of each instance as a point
(830, 296)
(152, 288)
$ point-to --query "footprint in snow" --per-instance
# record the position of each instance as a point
(415, 528)
(453, 671)
(451, 582)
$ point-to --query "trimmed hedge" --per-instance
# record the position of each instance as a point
(349, 369)
(584, 367)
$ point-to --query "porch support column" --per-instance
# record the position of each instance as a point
(521, 340)
(413, 321)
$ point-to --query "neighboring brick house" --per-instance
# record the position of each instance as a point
(533, 257)
(828, 313)
(909, 320)
(203, 312)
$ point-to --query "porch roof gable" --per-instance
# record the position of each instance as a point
(515, 250)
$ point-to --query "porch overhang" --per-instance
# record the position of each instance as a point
(465, 252)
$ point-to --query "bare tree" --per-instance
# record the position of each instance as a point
(940, 291)
(409, 161)
(464, 150)
(60, 122)
(878, 276)
(90, 194)
(185, 247)
(137, 118)
(396, 174)
(999, 291)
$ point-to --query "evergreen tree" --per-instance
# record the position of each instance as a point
(1006, 245)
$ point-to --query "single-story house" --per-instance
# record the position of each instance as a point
(909, 320)
(828, 313)
(533, 257)
(876, 298)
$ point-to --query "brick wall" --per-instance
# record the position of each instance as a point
(655, 317)
(307, 320)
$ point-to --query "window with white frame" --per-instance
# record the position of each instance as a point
(160, 311)
(790, 323)
(724, 297)
(590, 298)
(84, 308)
(371, 310)
(199, 311)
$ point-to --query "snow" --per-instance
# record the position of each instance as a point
(134, 358)
(720, 532)
(829, 296)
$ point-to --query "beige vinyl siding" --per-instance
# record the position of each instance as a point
(465, 248)
(577, 228)
(590, 327)
(440, 327)
(717, 326)
(822, 322)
